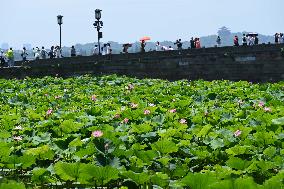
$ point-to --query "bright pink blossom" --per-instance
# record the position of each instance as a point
(130, 87)
(97, 134)
(183, 121)
(237, 133)
(49, 112)
(173, 110)
(116, 116)
(125, 120)
(267, 109)
(94, 97)
(260, 104)
(146, 112)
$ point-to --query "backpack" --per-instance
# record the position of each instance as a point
(244, 39)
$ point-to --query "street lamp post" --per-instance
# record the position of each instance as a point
(98, 24)
(60, 22)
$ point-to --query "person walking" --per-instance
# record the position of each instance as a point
(24, 54)
(244, 40)
(43, 53)
(57, 52)
(179, 44)
(10, 57)
(276, 38)
(73, 51)
(236, 41)
(143, 45)
(256, 40)
(37, 53)
(218, 41)
(281, 38)
(250, 40)
(108, 49)
(158, 46)
(96, 50)
(192, 43)
(51, 52)
(2, 58)
(197, 43)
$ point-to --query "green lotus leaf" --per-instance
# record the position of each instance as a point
(238, 163)
(76, 143)
(239, 183)
(217, 143)
(160, 179)
(43, 152)
(203, 132)
(165, 146)
(69, 126)
(270, 151)
(147, 156)
(279, 121)
(198, 180)
(69, 171)
(12, 185)
(138, 178)
(40, 175)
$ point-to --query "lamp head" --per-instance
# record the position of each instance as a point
(59, 19)
(98, 14)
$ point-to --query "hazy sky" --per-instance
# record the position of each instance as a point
(34, 21)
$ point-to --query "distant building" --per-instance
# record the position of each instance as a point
(224, 32)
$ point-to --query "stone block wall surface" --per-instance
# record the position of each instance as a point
(261, 63)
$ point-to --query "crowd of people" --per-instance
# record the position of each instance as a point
(56, 51)
(105, 49)
(247, 39)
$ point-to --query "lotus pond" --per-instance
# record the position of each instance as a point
(119, 132)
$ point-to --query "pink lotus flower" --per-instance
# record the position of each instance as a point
(49, 112)
(146, 112)
(116, 116)
(125, 120)
(173, 110)
(94, 98)
(57, 97)
(130, 87)
(97, 134)
(206, 113)
(133, 105)
(237, 133)
(183, 121)
(260, 104)
(267, 109)
(17, 138)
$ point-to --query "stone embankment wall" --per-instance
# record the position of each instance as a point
(262, 63)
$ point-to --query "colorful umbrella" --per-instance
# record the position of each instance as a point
(146, 38)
